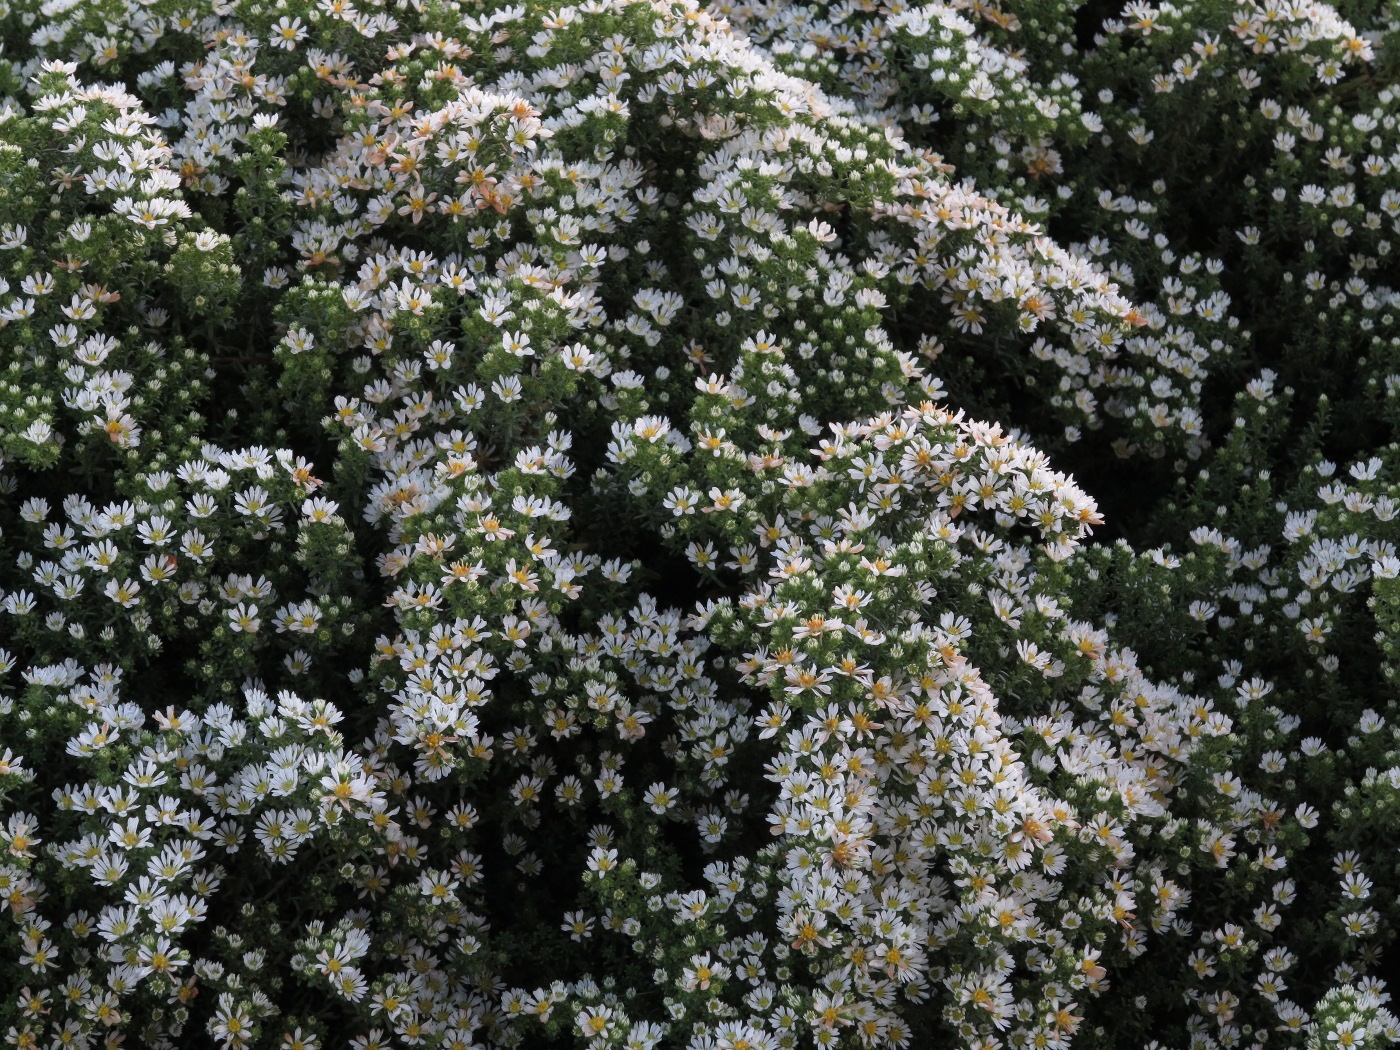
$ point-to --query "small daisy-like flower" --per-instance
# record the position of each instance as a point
(244, 618)
(123, 592)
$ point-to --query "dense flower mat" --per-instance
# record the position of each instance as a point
(625, 524)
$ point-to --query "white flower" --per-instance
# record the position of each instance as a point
(517, 344)
(659, 798)
(287, 33)
(602, 860)
(244, 617)
(123, 592)
(1386, 567)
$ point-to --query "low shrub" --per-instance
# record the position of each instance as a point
(630, 524)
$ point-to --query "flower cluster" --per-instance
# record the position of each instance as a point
(504, 541)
